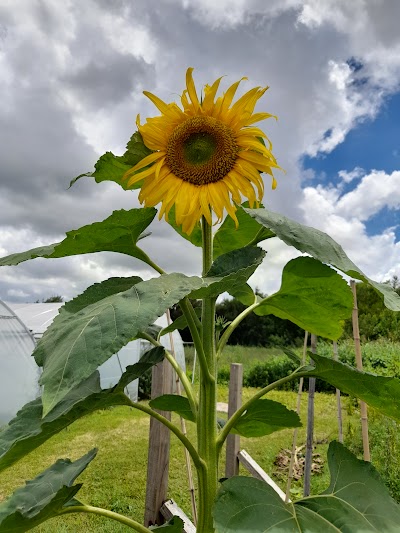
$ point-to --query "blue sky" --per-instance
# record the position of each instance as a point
(373, 144)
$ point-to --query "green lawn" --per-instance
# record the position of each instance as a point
(116, 478)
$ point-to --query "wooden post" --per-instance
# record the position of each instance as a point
(235, 401)
(183, 428)
(295, 432)
(310, 426)
(338, 399)
(357, 347)
(159, 443)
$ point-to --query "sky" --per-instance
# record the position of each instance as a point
(71, 78)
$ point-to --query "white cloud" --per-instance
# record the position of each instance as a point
(72, 73)
(343, 217)
(348, 177)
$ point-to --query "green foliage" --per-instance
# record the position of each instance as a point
(264, 417)
(384, 442)
(356, 501)
(320, 246)
(375, 320)
(313, 296)
(95, 325)
(117, 233)
(112, 167)
(43, 497)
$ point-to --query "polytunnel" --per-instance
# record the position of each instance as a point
(19, 373)
(34, 319)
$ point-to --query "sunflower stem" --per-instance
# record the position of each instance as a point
(207, 417)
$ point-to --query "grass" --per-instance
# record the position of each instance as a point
(116, 479)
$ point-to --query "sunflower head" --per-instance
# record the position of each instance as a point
(207, 155)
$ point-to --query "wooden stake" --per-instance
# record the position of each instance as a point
(183, 428)
(159, 444)
(294, 444)
(310, 426)
(234, 402)
(357, 347)
(338, 399)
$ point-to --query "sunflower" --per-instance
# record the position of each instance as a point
(206, 156)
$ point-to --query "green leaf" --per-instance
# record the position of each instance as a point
(179, 323)
(28, 430)
(112, 167)
(356, 501)
(195, 237)
(43, 497)
(81, 338)
(173, 402)
(175, 525)
(136, 150)
(230, 272)
(319, 245)
(249, 232)
(313, 296)
(264, 417)
(117, 233)
(244, 294)
(381, 393)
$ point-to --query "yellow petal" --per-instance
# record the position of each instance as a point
(191, 88)
(144, 162)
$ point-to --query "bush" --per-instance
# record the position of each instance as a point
(384, 440)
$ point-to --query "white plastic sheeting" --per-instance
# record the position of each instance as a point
(38, 317)
(18, 371)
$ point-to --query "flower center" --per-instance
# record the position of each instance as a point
(201, 150)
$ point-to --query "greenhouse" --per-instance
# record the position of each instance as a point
(22, 325)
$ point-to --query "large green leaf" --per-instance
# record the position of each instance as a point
(82, 338)
(43, 497)
(230, 271)
(264, 417)
(29, 429)
(382, 393)
(319, 245)
(313, 296)
(173, 402)
(112, 167)
(117, 233)
(249, 232)
(356, 501)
